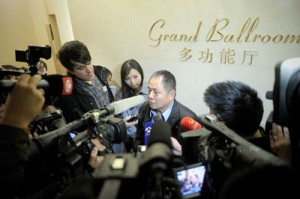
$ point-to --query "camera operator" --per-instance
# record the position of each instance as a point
(240, 108)
(15, 143)
(14, 146)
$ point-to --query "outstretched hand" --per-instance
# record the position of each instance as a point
(280, 142)
(24, 102)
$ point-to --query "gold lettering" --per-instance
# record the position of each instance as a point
(171, 37)
(157, 40)
(217, 33)
(280, 37)
(245, 26)
(229, 38)
(266, 38)
(252, 29)
(292, 39)
(256, 37)
(197, 32)
(211, 33)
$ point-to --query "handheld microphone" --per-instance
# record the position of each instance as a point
(147, 131)
(188, 124)
(160, 133)
(157, 157)
(54, 85)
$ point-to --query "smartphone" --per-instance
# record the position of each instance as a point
(133, 118)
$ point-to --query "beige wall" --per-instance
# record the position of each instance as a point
(122, 29)
(116, 30)
(26, 22)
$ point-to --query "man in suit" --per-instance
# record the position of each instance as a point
(162, 104)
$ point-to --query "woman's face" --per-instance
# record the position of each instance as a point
(133, 79)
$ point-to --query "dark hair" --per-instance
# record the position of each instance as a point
(236, 104)
(105, 72)
(125, 70)
(168, 79)
(73, 51)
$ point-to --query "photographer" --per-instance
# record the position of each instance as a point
(14, 142)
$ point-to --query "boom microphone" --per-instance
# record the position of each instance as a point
(125, 104)
(54, 85)
(188, 124)
(116, 107)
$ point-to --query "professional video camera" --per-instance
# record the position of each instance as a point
(286, 98)
(54, 85)
(125, 176)
(32, 56)
(223, 152)
(63, 154)
(46, 122)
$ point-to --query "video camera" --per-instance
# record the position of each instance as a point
(32, 56)
(125, 176)
(63, 154)
(223, 152)
(46, 122)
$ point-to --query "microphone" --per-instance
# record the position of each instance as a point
(125, 104)
(269, 95)
(160, 133)
(147, 131)
(54, 85)
(120, 106)
(188, 124)
(157, 157)
(116, 107)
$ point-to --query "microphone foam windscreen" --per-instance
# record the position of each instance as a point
(59, 85)
(188, 123)
(160, 133)
(125, 104)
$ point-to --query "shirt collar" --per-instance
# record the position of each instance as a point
(165, 114)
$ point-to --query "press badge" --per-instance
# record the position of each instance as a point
(104, 88)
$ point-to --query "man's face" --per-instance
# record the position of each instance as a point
(83, 71)
(158, 97)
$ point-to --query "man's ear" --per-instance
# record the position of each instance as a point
(172, 94)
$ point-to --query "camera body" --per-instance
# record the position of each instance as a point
(286, 93)
(32, 55)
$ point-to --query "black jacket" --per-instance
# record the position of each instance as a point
(79, 102)
(14, 154)
(179, 111)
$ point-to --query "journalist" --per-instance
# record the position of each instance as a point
(14, 136)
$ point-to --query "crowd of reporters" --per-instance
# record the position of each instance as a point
(234, 103)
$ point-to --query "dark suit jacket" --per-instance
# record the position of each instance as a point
(179, 111)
